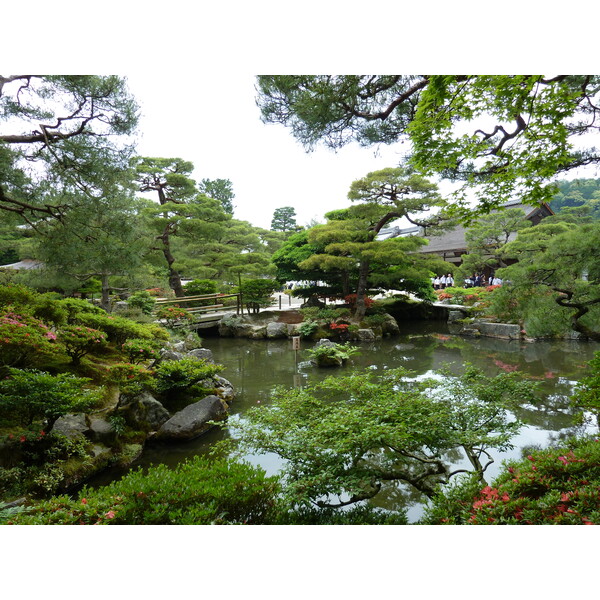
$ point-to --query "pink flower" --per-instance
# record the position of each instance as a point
(110, 514)
(563, 460)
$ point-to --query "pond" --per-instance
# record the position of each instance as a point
(255, 366)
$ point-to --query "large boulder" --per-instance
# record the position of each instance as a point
(193, 420)
(143, 412)
(71, 426)
(101, 431)
(225, 389)
(365, 335)
(202, 354)
(277, 330)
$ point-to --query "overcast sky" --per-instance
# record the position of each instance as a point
(212, 120)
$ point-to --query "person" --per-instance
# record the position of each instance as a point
(497, 281)
(449, 280)
(469, 282)
(442, 282)
(436, 283)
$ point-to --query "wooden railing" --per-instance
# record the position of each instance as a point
(202, 309)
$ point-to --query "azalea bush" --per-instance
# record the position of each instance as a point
(138, 350)
(558, 486)
(23, 339)
(130, 378)
(78, 341)
(200, 491)
(174, 315)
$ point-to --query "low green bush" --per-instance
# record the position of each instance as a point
(185, 375)
(138, 350)
(200, 491)
(142, 300)
(78, 340)
(29, 395)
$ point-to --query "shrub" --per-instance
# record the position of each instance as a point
(79, 341)
(76, 307)
(138, 350)
(258, 291)
(30, 395)
(16, 295)
(551, 486)
(308, 328)
(142, 300)
(117, 329)
(130, 378)
(185, 375)
(200, 491)
(199, 287)
(330, 355)
(351, 300)
(23, 338)
(174, 315)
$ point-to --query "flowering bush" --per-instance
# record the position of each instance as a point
(339, 326)
(552, 486)
(174, 315)
(22, 337)
(351, 300)
(130, 378)
(200, 491)
(138, 350)
(79, 341)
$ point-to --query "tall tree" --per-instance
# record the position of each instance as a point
(506, 135)
(221, 190)
(284, 219)
(95, 239)
(170, 179)
(61, 133)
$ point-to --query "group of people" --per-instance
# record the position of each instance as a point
(475, 280)
(479, 280)
(439, 283)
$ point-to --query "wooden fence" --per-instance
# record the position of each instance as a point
(217, 306)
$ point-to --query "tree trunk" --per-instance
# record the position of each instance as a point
(174, 277)
(581, 309)
(361, 291)
(105, 300)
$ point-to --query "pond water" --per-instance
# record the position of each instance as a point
(255, 366)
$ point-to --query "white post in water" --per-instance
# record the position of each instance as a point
(295, 348)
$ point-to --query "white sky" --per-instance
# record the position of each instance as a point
(213, 121)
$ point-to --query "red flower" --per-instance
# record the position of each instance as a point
(22, 439)
(83, 501)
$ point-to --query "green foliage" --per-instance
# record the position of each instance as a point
(139, 350)
(345, 436)
(29, 395)
(130, 378)
(221, 190)
(556, 486)
(174, 315)
(76, 307)
(308, 328)
(185, 375)
(200, 491)
(142, 300)
(332, 354)
(284, 219)
(16, 295)
(43, 463)
(23, 339)
(198, 287)
(78, 341)
(118, 329)
(258, 291)
(587, 392)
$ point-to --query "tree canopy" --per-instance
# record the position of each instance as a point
(506, 135)
(61, 133)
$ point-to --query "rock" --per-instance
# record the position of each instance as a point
(366, 335)
(201, 354)
(168, 354)
(120, 306)
(325, 342)
(455, 315)
(71, 426)
(277, 330)
(192, 421)
(178, 347)
(390, 326)
(143, 412)
(101, 431)
(499, 330)
(328, 361)
(192, 341)
(225, 389)
(292, 329)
